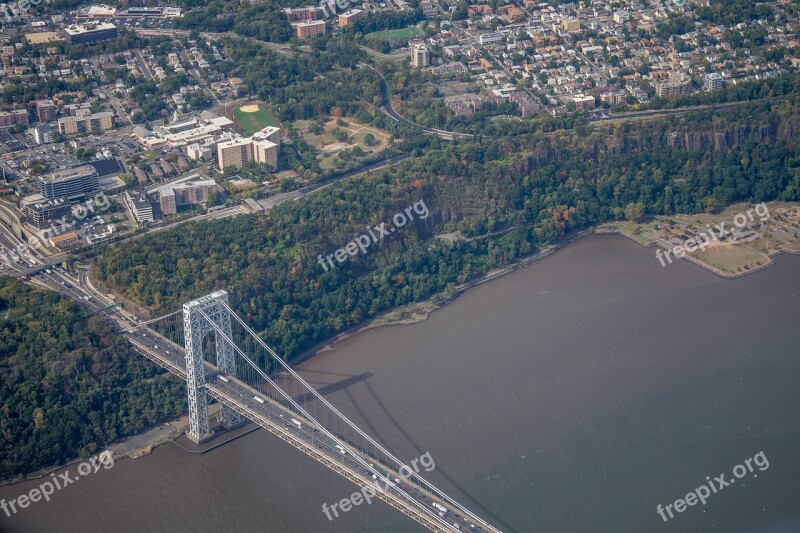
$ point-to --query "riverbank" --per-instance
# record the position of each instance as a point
(144, 443)
(775, 238)
(612, 402)
(741, 249)
(421, 311)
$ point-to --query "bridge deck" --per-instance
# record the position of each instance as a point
(405, 495)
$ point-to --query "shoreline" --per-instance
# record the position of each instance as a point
(407, 315)
(145, 443)
(608, 229)
(117, 448)
(421, 311)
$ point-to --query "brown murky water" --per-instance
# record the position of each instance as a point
(574, 395)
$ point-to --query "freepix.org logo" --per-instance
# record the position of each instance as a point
(702, 239)
(367, 493)
(45, 490)
(713, 486)
(14, 10)
(98, 204)
(375, 234)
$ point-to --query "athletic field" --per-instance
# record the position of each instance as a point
(253, 117)
(402, 33)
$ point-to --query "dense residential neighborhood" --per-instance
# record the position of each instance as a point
(208, 209)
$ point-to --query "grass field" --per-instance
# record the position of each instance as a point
(327, 146)
(403, 33)
(253, 122)
(731, 259)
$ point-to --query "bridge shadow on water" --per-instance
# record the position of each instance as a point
(369, 427)
(332, 387)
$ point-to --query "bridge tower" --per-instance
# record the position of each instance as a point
(196, 327)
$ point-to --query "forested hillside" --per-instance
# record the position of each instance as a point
(69, 384)
(543, 187)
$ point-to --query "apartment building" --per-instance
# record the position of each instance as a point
(139, 206)
(349, 17)
(70, 183)
(420, 55)
(45, 110)
(13, 118)
(614, 97)
(262, 148)
(571, 24)
(583, 102)
(86, 123)
(43, 134)
(234, 153)
(675, 85)
(310, 28)
(713, 80)
(171, 196)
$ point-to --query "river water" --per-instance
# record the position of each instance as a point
(576, 394)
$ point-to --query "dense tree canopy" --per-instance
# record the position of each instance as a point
(69, 385)
(539, 188)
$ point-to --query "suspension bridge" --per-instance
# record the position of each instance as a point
(216, 352)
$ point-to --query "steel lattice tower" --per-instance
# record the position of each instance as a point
(196, 327)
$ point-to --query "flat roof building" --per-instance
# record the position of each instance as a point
(270, 133)
(675, 85)
(310, 28)
(139, 206)
(583, 102)
(348, 17)
(713, 80)
(71, 183)
(45, 110)
(65, 241)
(265, 152)
(41, 213)
(302, 13)
(43, 134)
(86, 124)
(200, 152)
(490, 37)
(571, 24)
(262, 147)
(420, 55)
(90, 32)
(173, 195)
(13, 118)
(234, 153)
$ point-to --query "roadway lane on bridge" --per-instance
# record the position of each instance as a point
(275, 417)
(408, 496)
(279, 420)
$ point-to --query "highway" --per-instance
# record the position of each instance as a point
(314, 440)
(397, 117)
(406, 495)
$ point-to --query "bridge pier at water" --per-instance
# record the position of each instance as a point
(251, 380)
(198, 316)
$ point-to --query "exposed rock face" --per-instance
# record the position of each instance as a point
(721, 140)
(766, 131)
